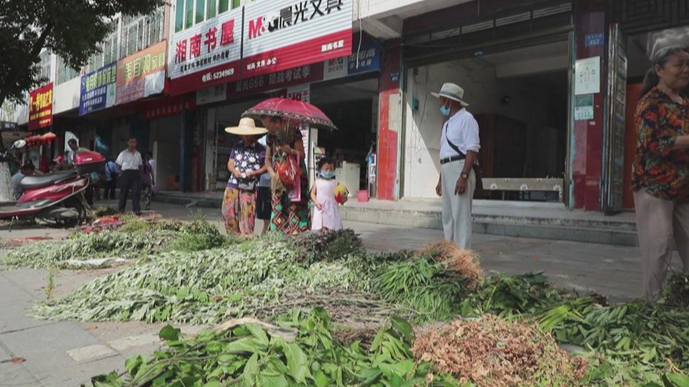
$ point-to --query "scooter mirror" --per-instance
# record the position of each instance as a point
(19, 144)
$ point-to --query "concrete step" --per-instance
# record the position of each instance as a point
(490, 219)
(588, 230)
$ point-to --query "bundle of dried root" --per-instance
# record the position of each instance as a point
(462, 263)
(492, 352)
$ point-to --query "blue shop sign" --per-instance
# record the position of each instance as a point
(364, 59)
(98, 89)
(594, 40)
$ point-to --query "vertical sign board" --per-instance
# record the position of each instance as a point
(41, 107)
(142, 74)
(303, 93)
(281, 35)
(207, 54)
(614, 130)
(98, 89)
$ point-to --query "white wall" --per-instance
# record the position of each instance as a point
(483, 91)
(66, 96)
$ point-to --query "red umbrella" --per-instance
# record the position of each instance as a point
(291, 110)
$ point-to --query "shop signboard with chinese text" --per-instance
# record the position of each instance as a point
(207, 54)
(363, 60)
(280, 35)
(41, 107)
(276, 81)
(98, 89)
(142, 74)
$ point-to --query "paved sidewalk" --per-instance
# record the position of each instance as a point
(60, 354)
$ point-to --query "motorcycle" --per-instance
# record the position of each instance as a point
(56, 197)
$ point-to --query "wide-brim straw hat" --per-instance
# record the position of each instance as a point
(453, 92)
(246, 127)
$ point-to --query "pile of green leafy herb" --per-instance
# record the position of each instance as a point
(107, 244)
(207, 286)
(327, 246)
(249, 356)
(424, 286)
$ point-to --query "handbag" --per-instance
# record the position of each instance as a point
(288, 171)
(478, 191)
(247, 184)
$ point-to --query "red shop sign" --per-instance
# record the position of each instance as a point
(41, 107)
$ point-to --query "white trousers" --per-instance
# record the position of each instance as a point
(663, 225)
(457, 208)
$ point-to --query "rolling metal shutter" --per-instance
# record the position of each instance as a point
(639, 16)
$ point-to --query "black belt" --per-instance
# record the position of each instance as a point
(452, 159)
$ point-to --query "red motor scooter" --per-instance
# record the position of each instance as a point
(56, 197)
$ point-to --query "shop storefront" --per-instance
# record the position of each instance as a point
(641, 32)
(514, 65)
(346, 89)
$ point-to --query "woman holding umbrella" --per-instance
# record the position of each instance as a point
(289, 217)
(282, 118)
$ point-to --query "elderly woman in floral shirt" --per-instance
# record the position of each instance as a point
(246, 165)
(661, 168)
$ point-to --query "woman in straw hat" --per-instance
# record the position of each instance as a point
(246, 164)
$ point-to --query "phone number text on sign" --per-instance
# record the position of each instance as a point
(218, 75)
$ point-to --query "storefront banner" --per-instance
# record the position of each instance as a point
(165, 107)
(363, 60)
(275, 81)
(142, 74)
(41, 107)
(98, 89)
(211, 95)
(280, 35)
(207, 54)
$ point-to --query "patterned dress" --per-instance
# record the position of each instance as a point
(238, 205)
(660, 169)
(289, 217)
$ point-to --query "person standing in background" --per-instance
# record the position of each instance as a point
(112, 171)
(661, 168)
(152, 163)
(459, 147)
(263, 198)
(129, 162)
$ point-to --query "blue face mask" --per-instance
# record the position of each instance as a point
(445, 110)
(328, 175)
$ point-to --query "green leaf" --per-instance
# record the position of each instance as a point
(251, 370)
(131, 365)
(370, 376)
(678, 380)
(215, 347)
(212, 383)
(259, 333)
(399, 369)
(245, 345)
(168, 333)
(296, 362)
(272, 381)
(403, 327)
(322, 379)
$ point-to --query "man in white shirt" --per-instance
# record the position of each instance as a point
(129, 161)
(459, 147)
(74, 150)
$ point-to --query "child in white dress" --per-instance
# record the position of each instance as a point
(326, 214)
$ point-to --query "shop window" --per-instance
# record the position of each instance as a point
(211, 9)
(224, 5)
(64, 72)
(179, 16)
(200, 8)
(189, 14)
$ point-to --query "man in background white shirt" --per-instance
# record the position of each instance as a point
(459, 147)
(129, 161)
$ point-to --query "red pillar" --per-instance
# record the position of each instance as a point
(388, 136)
(587, 137)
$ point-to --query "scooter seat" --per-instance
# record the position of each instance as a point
(40, 181)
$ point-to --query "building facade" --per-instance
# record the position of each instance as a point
(553, 84)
